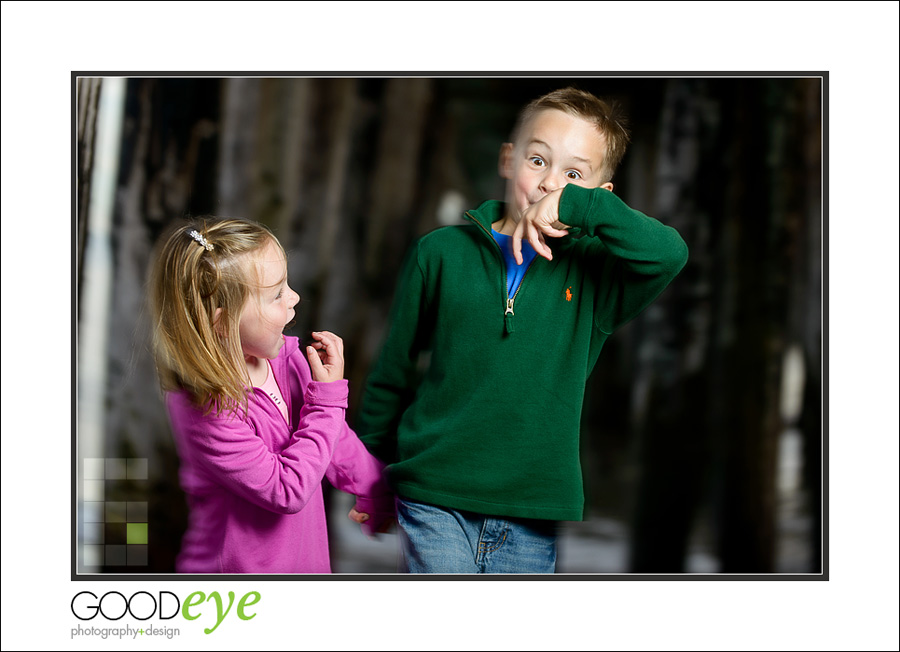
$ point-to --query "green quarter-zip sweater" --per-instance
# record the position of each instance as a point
(489, 421)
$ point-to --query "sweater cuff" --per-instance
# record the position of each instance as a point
(333, 394)
(574, 204)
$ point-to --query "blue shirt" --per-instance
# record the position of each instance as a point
(514, 271)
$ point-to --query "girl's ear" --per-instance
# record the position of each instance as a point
(218, 324)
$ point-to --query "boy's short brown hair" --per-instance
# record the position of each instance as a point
(607, 116)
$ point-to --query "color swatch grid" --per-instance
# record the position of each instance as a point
(115, 519)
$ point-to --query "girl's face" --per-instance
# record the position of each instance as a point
(269, 308)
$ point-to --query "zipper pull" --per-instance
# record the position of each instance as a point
(508, 317)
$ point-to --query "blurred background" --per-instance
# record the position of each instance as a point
(702, 434)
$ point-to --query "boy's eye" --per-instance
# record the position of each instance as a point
(573, 174)
(537, 160)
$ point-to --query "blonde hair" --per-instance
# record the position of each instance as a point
(193, 276)
(606, 116)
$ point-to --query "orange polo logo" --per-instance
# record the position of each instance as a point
(569, 293)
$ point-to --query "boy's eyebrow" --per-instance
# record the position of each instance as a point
(587, 162)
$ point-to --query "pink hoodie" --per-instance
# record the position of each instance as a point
(254, 484)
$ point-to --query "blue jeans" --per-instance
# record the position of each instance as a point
(441, 540)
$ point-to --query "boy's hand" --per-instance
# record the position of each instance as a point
(539, 220)
(326, 357)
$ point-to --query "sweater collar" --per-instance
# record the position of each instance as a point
(486, 214)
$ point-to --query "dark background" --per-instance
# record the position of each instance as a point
(702, 424)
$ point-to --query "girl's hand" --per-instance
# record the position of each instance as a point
(377, 528)
(357, 517)
(326, 357)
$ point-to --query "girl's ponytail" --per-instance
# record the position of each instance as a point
(200, 281)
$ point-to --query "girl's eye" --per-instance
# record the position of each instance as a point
(279, 295)
(537, 160)
(573, 174)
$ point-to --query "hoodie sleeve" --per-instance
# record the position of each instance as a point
(355, 470)
(232, 454)
(351, 468)
(634, 257)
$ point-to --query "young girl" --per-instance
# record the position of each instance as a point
(257, 423)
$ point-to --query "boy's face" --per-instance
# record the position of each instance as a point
(553, 149)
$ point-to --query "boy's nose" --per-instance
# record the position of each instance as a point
(550, 182)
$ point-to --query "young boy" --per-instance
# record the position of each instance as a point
(482, 446)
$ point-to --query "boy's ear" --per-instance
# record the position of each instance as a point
(506, 161)
(608, 185)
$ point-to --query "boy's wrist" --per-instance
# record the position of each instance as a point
(574, 204)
